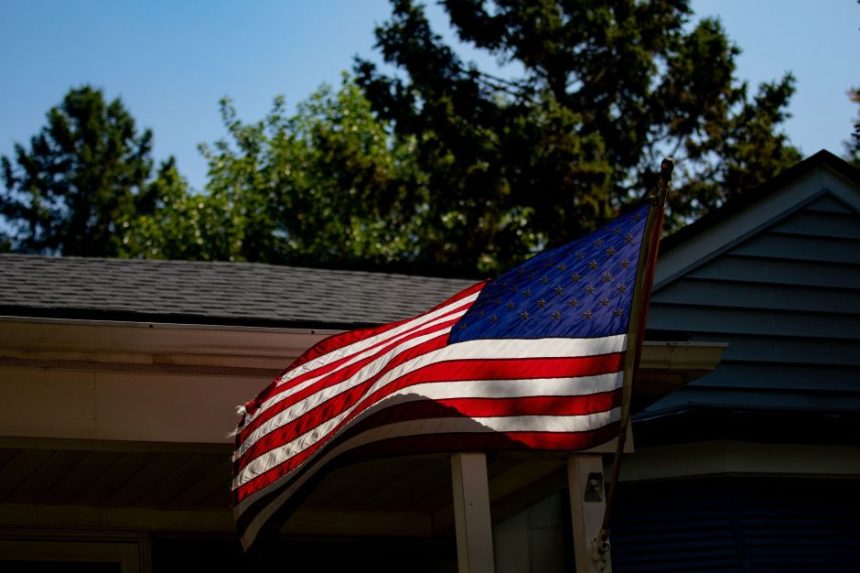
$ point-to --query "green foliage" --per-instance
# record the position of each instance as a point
(85, 175)
(326, 186)
(604, 90)
(182, 226)
(437, 167)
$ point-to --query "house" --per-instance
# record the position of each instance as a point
(119, 381)
(755, 466)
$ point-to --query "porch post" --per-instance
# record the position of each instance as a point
(472, 513)
(587, 505)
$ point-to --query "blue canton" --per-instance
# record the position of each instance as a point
(580, 290)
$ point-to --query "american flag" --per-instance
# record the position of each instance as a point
(533, 359)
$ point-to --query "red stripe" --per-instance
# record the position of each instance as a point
(466, 442)
(380, 347)
(348, 372)
(390, 341)
(535, 405)
(448, 442)
(583, 366)
(451, 371)
(495, 407)
(345, 339)
(453, 442)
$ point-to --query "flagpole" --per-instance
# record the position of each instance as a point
(635, 336)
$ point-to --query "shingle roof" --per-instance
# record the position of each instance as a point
(211, 292)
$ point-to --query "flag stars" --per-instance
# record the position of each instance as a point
(589, 289)
(541, 303)
(527, 293)
(580, 256)
(562, 267)
(628, 238)
(637, 217)
(592, 264)
(573, 303)
(598, 243)
(618, 312)
(587, 315)
(607, 276)
(558, 291)
(524, 315)
(604, 301)
(544, 279)
(576, 277)
(494, 318)
(625, 263)
(556, 315)
(510, 305)
(611, 251)
(621, 289)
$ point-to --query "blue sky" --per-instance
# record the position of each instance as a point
(171, 61)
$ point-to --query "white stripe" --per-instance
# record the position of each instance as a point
(574, 386)
(406, 344)
(364, 343)
(473, 349)
(422, 321)
(582, 423)
(301, 407)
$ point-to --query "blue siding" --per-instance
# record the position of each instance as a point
(787, 300)
(750, 525)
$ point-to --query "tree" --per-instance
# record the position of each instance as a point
(525, 161)
(327, 186)
(84, 176)
(183, 225)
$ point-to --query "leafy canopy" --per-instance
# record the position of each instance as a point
(325, 186)
(431, 164)
(605, 89)
(85, 175)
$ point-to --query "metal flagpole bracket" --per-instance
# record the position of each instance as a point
(600, 552)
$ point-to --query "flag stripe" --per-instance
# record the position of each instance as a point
(442, 365)
(336, 362)
(435, 435)
(449, 423)
(502, 388)
(394, 364)
(330, 349)
(314, 388)
(275, 450)
(546, 390)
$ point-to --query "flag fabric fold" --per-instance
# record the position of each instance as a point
(531, 360)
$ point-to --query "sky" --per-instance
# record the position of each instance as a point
(171, 61)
